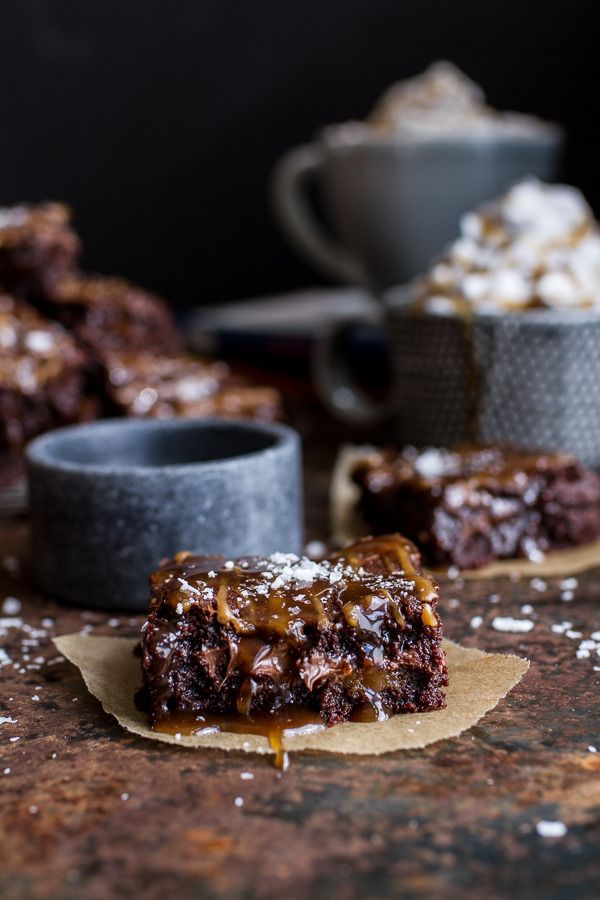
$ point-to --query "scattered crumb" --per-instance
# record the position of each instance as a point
(515, 626)
(551, 829)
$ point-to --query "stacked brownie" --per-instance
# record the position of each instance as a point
(274, 640)
(109, 325)
(43, 381)
(139, 384)
(470, 506)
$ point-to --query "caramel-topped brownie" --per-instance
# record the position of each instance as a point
(261, 644)
(143, 384)
(107, 314)
(470, 506)
(42, 375)
(38, 247)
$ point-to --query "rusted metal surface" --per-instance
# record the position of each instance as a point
(91, 811)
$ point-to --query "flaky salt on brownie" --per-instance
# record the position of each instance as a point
(142, 384)
(43, 377)
(108, 314)
(355, 636)
(38, 247)
(470, 506)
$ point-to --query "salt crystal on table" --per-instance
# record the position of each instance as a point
(592, 749)
(246, 776)
(538, 585)
(11, 606)
(515, 626)
(568, 584)
(476, 621)
(527, 609)
(551, 829)
(239, 801)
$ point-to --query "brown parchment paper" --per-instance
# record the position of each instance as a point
(347, 525)
(477, 681)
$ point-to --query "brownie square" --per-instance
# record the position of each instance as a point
(38, 248)
(142, 384)
(471, 506)
(268, 641)
(112, 314)
(43, 378)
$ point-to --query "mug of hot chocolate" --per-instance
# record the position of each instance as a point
(500, 340)
(393, 187)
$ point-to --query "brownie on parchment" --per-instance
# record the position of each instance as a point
(38, 247)
(112, 314)
(356, 635)
(470, 506)
(43, 378)
(142, 384)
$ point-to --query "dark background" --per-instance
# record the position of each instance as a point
(160, 120)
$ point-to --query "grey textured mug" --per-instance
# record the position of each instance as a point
(392, 204)
(531, 379)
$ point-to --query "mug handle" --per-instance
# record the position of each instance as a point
(335, 386)
(296, 217)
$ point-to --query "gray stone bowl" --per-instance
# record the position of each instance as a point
(110, 499)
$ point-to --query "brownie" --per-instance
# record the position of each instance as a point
(258, 644)
(142, 384)
(108, 314)
(42, 378)
(470, 506)
(38, 248)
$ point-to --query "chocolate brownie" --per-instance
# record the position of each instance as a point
(142, 384)
(38, 248)
(259, 644)
(42, 377)
(108, 314)
(470, 506)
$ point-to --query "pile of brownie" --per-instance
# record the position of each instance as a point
(75, 346)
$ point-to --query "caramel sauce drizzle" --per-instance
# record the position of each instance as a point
(271, 603)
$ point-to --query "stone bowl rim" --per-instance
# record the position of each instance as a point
(39, 451)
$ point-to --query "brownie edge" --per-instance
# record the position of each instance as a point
(355, 636)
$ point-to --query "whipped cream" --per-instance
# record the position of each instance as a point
(440, 103)
(537, 246)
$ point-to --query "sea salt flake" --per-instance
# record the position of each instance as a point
(568, 584)
(551, 829)
(515, 626)
(476, 621)
(538, 585)
(246, 776)
(239, 801)
(11, 606)
(7, 719)
(574, 635)
(592, 749)
(527, 609)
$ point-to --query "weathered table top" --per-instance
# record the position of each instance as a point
(91, 811)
